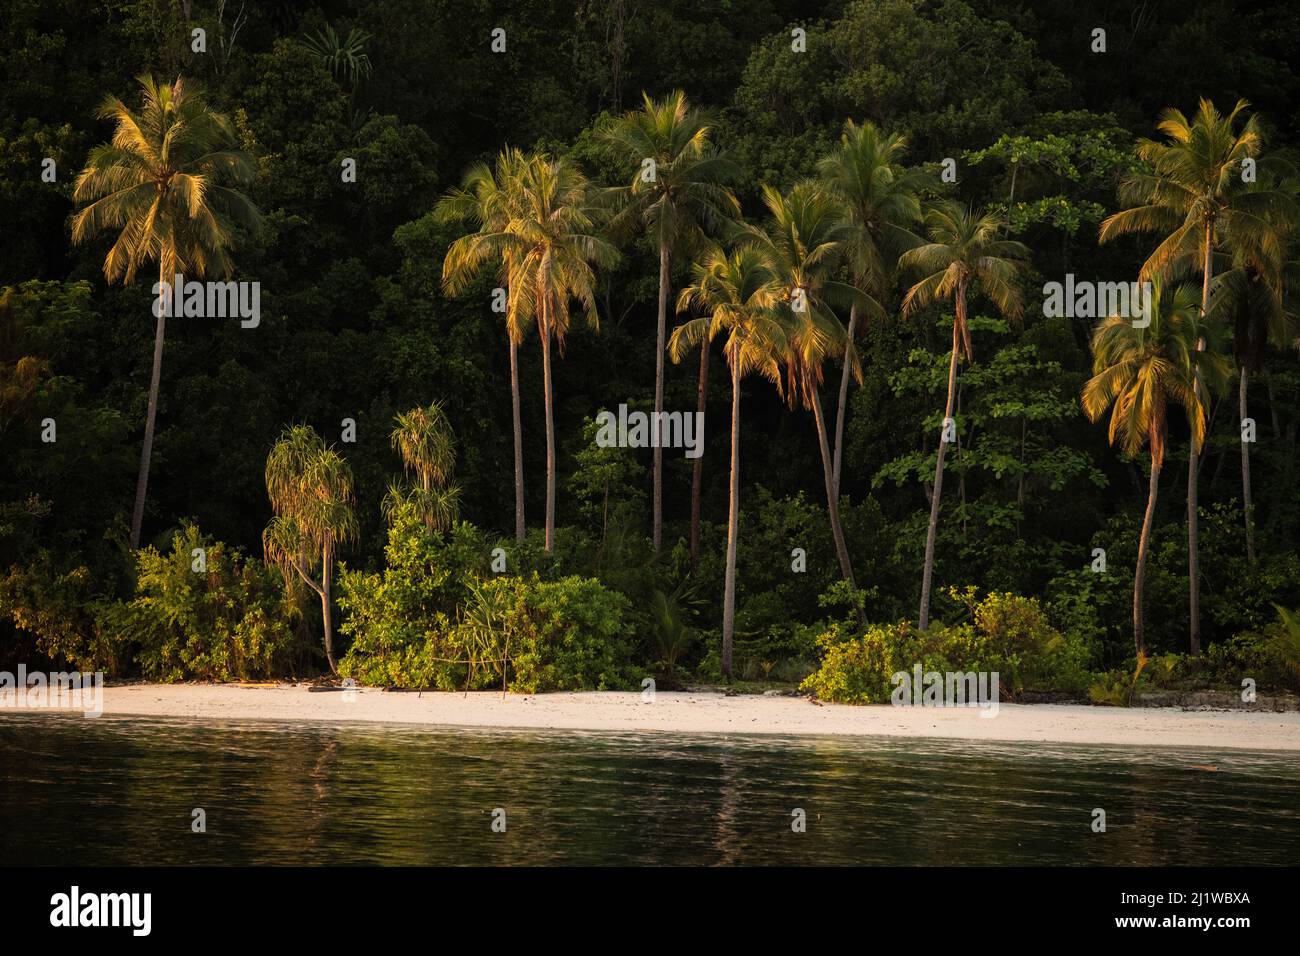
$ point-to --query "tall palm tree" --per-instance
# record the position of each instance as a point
(804, 240)
(483, 199)
(1248, 296)
(1191, 192)
(553, 241)
(162, 184)
(424, 439)
(1137, 373)
(675, 200)
(740, 293)
(880, 202)
(965, 253)
(312, 494)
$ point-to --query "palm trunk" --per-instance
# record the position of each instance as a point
(550, 424)
(928, 571)
(697, 469)
(844, 396)
(1193, 469)
(832, 500)
(326, 615)
(657, 532)
(1193, 530)
(1247, 502)
(733, 523)
(519, 442)
(1144, 547)
(146, 451)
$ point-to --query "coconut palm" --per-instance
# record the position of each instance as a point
(880, 202)
(965, 254)
(676, 193)
(1138, 372)
(311, 492)
(1247, 295)
(551, 240)
(483, 200)
(1192, 193)
(162, 184)
(424, 439)
(740, 295)
(804, 240)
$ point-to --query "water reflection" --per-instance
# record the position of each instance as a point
(121, 791)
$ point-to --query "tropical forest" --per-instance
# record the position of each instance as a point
(558, 345)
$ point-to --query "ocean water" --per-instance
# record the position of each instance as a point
(122, 791)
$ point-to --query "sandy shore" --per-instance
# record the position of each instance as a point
(711, 713)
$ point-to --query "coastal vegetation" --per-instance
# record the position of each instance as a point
(393, 475)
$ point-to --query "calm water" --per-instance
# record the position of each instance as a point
(121, 790)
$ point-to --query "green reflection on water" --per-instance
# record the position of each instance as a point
(121, 790)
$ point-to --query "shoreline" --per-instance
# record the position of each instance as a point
(705, 713)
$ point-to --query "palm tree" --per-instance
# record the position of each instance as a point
(160, 183)
(740, 294)
(880, 200)
(423, 438)
(345, 57)
(1192, 193)
(551, 242)
(965, 252)
(1247, 295)
(804, 240)
(483, 199)
(675, 194)
(311, 492)
(1137, 373)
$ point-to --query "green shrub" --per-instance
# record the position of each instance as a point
(567, 635)
(858, 671)
(400, 620)
(1008, 635)
(437, 617)
(59, 610)
(228, 621)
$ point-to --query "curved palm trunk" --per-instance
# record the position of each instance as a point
(928, 572)
(697, 469)
(1247, 502)
(326, 614)
(550, 424)
(657, 532)
(733, 524)
(519, 442)
(832, 499)
(1144, 547)
(146, 451)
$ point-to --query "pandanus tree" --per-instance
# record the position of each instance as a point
(677, 192)
(965, 254)
(1191, 193)
(312, 494)
(739, 295)
(165, 183)
(880, 203)
(1138, 372)
(423, 437)
(483, 200)
(552, 239)
(804, 240)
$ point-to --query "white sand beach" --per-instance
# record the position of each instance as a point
(711, 713)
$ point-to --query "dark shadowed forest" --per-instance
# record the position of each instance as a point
(989, 307)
